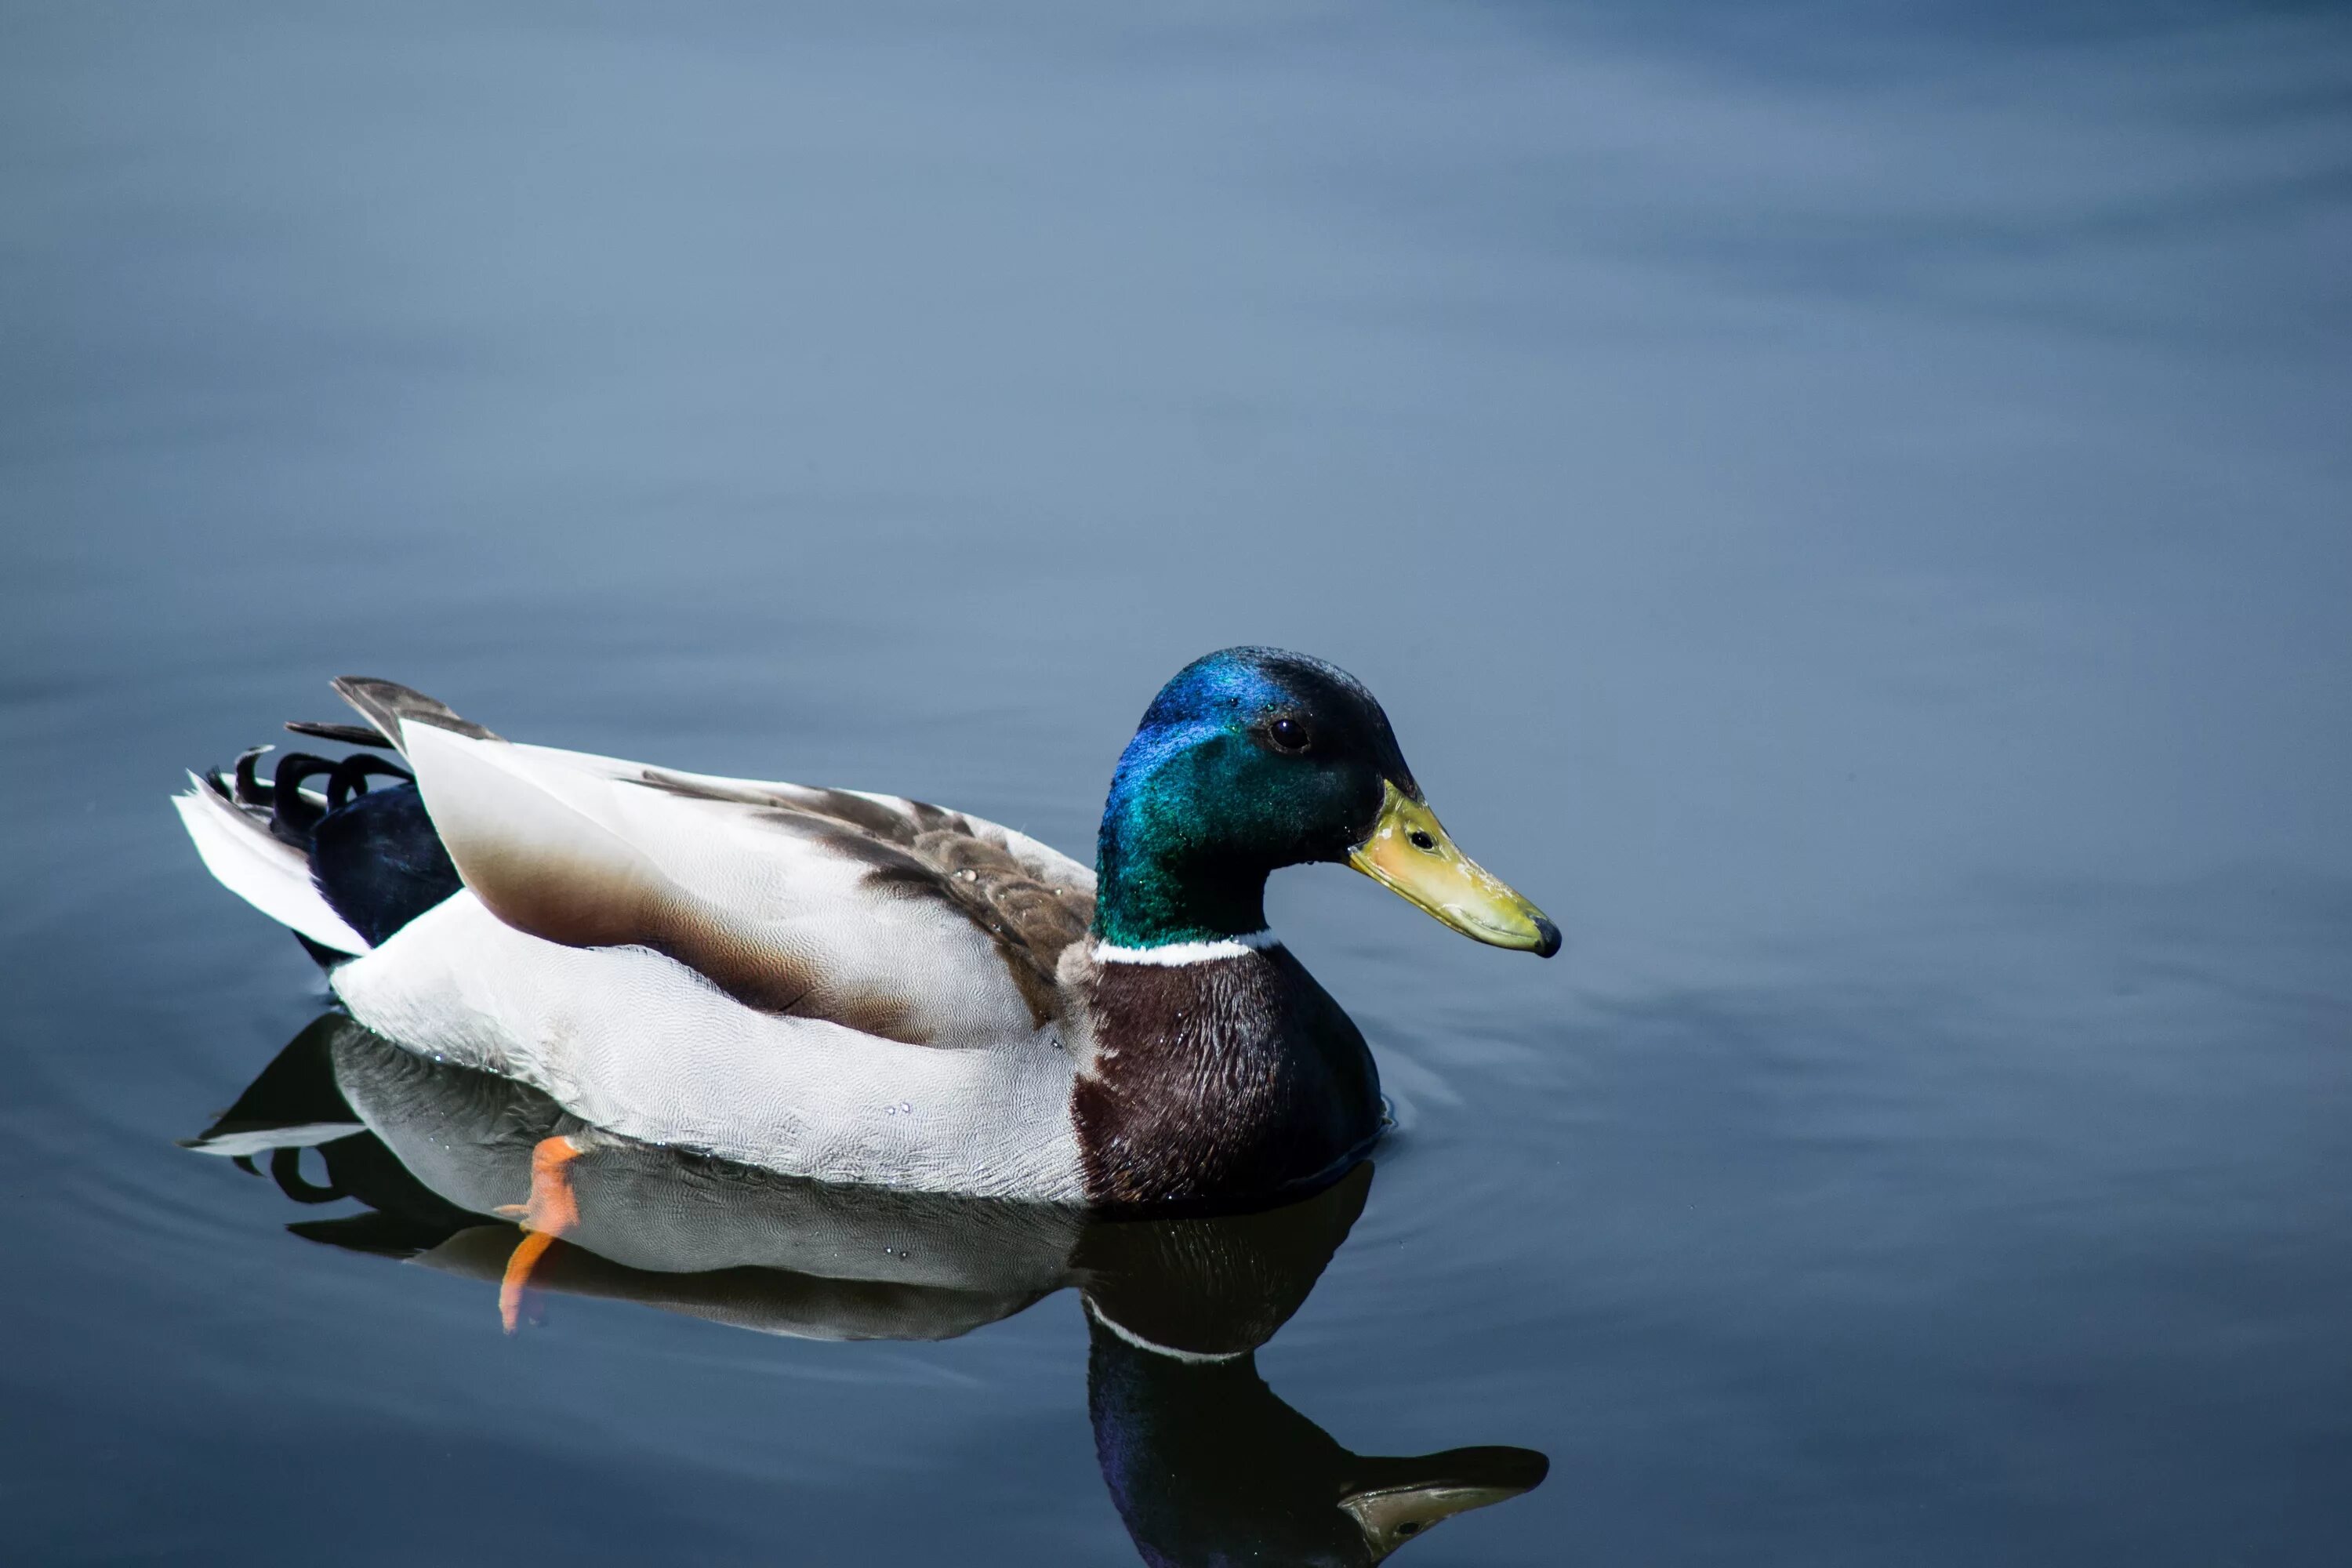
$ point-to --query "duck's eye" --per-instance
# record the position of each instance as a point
(1288, 735)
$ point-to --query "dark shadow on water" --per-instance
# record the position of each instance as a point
(474, 1176)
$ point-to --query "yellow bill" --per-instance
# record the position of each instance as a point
(1409, 854)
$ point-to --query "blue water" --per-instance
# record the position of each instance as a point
(1847, 510)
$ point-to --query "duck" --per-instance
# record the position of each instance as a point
(862, 988)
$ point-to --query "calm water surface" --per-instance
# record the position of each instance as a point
(1847, 511)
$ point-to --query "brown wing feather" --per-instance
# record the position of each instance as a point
(917, 850)
(387, 704)
(543, 867)
(556, 875)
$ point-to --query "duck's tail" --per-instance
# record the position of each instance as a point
(344, 864)
(268, 870)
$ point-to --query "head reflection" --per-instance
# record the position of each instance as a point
(482, 1177)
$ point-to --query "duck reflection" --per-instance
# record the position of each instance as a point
(478, 1176)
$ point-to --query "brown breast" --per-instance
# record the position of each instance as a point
(1224, 1083)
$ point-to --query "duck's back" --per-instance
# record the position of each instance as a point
(888, 916)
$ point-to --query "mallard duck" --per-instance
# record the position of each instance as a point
(862, 988)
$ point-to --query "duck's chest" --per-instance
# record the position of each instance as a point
(1224, 1080)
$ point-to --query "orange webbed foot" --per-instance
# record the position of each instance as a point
(552, 1211)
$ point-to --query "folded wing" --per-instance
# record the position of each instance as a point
(886, 915)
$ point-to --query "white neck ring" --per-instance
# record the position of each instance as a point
(1174, 954)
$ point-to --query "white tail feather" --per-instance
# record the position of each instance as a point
(263, 1140)
(272, 876)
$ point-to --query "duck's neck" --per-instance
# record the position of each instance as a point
(1146, 898)
(1164, 873)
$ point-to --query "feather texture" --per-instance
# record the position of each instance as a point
(777, 895)
(639, 1043)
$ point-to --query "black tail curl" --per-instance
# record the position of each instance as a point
(373, 852)
(294, 814)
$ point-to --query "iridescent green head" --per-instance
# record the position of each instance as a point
(1253, 759)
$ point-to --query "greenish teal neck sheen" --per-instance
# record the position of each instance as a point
(1170, 863)
(1204, 805)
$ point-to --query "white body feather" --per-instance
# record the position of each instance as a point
(637, 1043)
